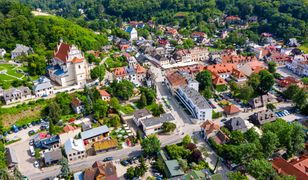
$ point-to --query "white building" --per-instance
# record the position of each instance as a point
(153, 125)
(15, 95)
(68, 66)
(141, 114)
(195, 103)
(21, 50)
(299, 65)
(74, 149)
(133, 34)
(43, 87)
(2, 52)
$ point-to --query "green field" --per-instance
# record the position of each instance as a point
(304, 47)
(10, 73)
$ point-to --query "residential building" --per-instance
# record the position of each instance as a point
(251, 67)
(11, 158)
(222, 70)
(262, 117)
(133, 34)
(141, 114)
(233, 58)
(153, 125)
(74, 149)
(77, 105)
(191, 55)
(231, 110)
(95, 134)
(262, 101)
(68, 66)
(105, 145)
(98, 171)
(175, 79)
(69, 132)
(236, 124)
(172, 167)
(212, 130)
(104, 95)
(286, 82)
(52, 157)
(297, 169)
(199, 37)
(195, 103)
(238, 76)
(134, 73)
(43, 87)
(21, 50)
(2, 52)
(16, 95)
(52, 142)
(299, 65)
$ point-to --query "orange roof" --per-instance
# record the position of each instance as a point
(69, 128)
(221, 68)
(231, 109)
(210, 126)
(301, 163)
(231, 58)
(140, 69)
(176, 79)
(76, 102)
(218, 80)
(285, 168)
(103, 93)
(120, 71)
(238, 74)
(62, 52)
(77, 60)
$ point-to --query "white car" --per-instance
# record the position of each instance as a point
(36, 164)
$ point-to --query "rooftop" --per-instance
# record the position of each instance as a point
(152, 121)
(197, 99)
(174, 168)
(94, 132)
(141, 113)
(74, 144)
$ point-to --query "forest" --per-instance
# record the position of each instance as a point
(283, 18)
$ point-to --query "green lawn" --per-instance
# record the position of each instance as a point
(11, 72)
(115, 62)
(304, 47)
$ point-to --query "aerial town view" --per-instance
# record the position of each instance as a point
(153, 90)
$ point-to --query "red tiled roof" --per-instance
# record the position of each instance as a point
(301, 163)
(231, 109)
(221, 68)
(290, 80)
(69, 128)
(176, 79)
(120, 71)
(77, 60)
(285, 168)
(237, 74)
(104, 93)
(210, 126)
(217, 80)
(140, 69)
(198, 34)
(76, 102)
(62, 52)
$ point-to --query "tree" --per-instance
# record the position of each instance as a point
(130, 173)
(51, 127)
(266, 81)
(100, 109)
(151, 145)
(254, 80)
(300, 98)
(142, 168)
(186, 140)
(123, 89)
(18, 175)
(54, 112)
(236, 176)
(251, 135)
(65, 170)
(157, 109)
(196, 155)
(177, 152)
(36, 64)
(114, 103)
(160, 165)
(272, 66)
(270, 142)
(188, 43)
(98, 72)
(245, 92)
(4, 175)
(298, 138)
(260, 169)
(305, 80)
(237, 137)
(149, 93)
(142, 100)
(207, 93)
(205, 79)
(139, 135)
(283, 177)
(64, 101)
(168, 127)
(291, 90)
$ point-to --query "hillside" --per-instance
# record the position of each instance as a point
(19, 25)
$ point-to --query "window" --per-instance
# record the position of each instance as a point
(79, 67)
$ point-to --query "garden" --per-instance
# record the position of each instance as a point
(9, 72)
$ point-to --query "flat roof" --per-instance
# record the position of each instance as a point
(152, 121)
(174, 168)
(94, 132)
(196, 97)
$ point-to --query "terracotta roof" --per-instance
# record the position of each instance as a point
(176, 79)
(120, 71)
(217, 80)
(76, 102)
(301, 163)
(290, 80)
(69, 128)
(231, 109)
(210, 126)
(140, 69)
(103, 93)
(198, 34)
(220, 137)
(285, 168)
(221, 68)
(77, 60)
(238, 74)
(232, 58)
(62, 52)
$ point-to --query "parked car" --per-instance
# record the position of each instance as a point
(31, 132)
(108, 159)
(124, 163)
(36, 164)
(31, 142)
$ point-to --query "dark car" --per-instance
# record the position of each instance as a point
(125, 163)
(31, 132)
(108, 159)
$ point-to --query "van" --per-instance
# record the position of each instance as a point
(32, 152)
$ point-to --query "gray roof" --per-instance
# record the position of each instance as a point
(55, 155)
(236, 123)
(141, 113)
(263, 117)
(94, 132)
(75, 145)
(21, 48)
(152, 121)
(11, 157)
(174, 168)
(16, 92)
(196, 97)
(42, 83)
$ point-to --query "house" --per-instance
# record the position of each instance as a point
(293, 42)
(52, 142)
(95, 134)
(232, 57)
(98, 171)
(262, 101)
(297, 169)
(195, 103)
(299, 65)
(15, 95)
(279, 58)
(153, 125)
(69, 66)
(69, 132)
(236, 124)
(195, 175)
(199, 37)
(223, 70)
(141, 114)
(2, 52)
(251, 67)
(43, 87)
(21, 50)
(77, 105)
(173, 168)
(11, 158)
(209, 128)
(231, 110)
(286, 82)
(133, 34)
(104, 95)
(52, 157)
(74, 149)
(262, 117)
(195, 54)
(134, 73)
(238, 76)
(105, 145)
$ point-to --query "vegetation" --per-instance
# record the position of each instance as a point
(151, 145)
(168, 127)
(98, 72)
(123, 89)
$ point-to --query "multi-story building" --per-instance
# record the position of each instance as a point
(191, 55)
(136, 74)
(195, 103)
(74, 149)
(133, 34)
(21, 50)
(43, 87)
(15, 95)
(68, 66)
(175, 79)
(299, 65)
